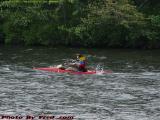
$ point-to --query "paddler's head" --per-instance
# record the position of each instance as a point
(81, 57)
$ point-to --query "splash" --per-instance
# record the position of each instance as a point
(99, 69)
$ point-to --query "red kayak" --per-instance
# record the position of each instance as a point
(57, 70)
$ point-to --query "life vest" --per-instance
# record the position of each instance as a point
(82, 63)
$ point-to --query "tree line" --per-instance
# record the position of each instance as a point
(87, 23)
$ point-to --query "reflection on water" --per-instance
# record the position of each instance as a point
(132, 92)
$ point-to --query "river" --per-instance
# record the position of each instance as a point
(131, 92)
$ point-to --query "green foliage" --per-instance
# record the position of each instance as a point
(154, 31)
(114, 24)
(89, 23)
(1, 34)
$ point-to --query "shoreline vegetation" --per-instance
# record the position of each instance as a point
(81, 23)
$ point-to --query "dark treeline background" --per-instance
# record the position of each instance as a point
(87, 23)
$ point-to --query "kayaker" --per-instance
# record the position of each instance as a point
(80, 65)
(82, 62)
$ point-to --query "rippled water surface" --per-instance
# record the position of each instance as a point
(131, 92)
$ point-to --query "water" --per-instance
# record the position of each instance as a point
(131, 92)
